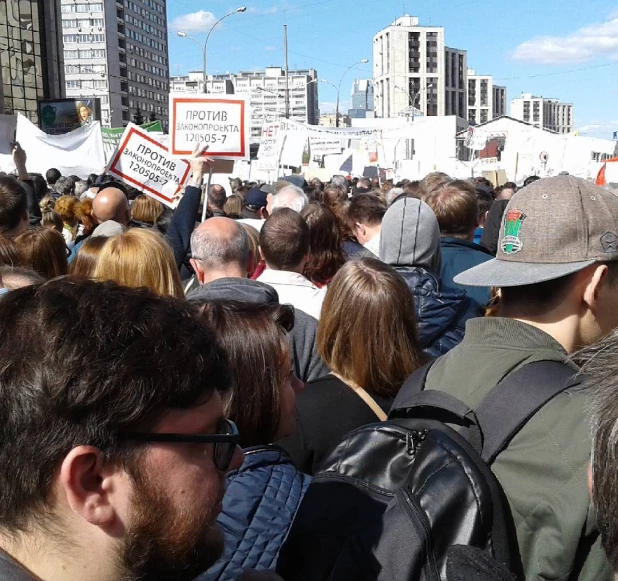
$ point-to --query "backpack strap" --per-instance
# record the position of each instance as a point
(413, 385)
(515, 400)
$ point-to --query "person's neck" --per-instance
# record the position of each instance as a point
(226, 271)
(466, 237)
(300, 269)
(59, 562)
(372, 232)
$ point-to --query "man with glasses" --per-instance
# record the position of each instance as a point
(113, 444)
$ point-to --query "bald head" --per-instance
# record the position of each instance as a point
(111, 204)
(220, 248)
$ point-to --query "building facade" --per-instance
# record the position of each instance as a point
(31, 55)
(266, 91)
(486, 101)
(543, 113)
(362, 99)
(117, 51)
(412, 67)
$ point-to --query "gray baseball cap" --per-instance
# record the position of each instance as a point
(552, 228)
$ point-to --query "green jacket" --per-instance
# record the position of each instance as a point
(544, 469)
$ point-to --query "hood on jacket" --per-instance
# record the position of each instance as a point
(236, 289)
(410, 236)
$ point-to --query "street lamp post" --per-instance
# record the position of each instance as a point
(361, 62)
(204, 53)
(411, 100)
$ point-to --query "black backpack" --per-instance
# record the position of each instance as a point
(394, 496)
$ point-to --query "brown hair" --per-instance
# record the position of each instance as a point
(9, 253)
(366, 209)
(85, 215)
(254, 243)
(146, 209)
(327, 255)
(284, 239)
(456, 207)
(336, 199)
(233, 207)
(140, 258)
(13, 204)
(379, 349)
(66, 207)
(43, 250)
(432, 181)
(85, 260)
(254, 337)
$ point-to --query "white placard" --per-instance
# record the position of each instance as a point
(271, 144)
(144, 163)
(219, 121)
(324, 145)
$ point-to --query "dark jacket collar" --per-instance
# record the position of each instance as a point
(448, 242)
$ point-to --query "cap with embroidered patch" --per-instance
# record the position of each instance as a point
(551, 228)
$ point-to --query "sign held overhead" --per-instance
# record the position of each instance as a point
(144, 163)
(219, 121)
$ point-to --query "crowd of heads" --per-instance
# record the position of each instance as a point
(101, 350)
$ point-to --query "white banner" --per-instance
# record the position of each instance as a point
(324, 145)
(271, 145)
(79, 152)
(219, 121)
(144, 163)
(344, 132)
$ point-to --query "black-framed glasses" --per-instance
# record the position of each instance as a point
(225, 440)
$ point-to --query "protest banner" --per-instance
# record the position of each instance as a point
(271, 145)
(219, 121)
(79, 152)
(112, 136)
(144, 163)
(324, 146)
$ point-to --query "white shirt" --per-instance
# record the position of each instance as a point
(373, 245)
(257, 224)
(296, 290)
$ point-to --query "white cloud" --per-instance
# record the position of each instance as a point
(270, 48)
(583, 45)
(200, 21)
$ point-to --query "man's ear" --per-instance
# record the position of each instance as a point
(88, 484)
(263, 213)
(251, 263)
(199, 270)
(595, 283)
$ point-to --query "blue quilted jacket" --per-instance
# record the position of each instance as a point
(259, 505)
(441, 313)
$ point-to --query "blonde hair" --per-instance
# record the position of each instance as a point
(146, 209)
(254, 244)
(140, 258)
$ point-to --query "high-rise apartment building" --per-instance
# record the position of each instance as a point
(486, 101)
(412, 67)
(31, 55)
(266, 90)
(117, 50)
(362, 99)
(544, 113)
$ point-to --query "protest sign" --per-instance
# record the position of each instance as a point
(112, 136)
(271, 144)
(324, 146)
(219, 121)
(144, 163)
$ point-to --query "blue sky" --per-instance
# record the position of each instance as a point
(565, 49)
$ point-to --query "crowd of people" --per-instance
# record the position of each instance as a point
(170, 388)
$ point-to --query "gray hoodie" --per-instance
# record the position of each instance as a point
(307, 362)
(410, 236)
